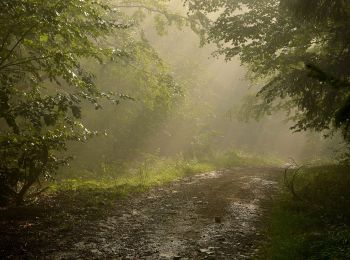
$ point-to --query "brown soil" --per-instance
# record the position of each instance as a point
(217, 215)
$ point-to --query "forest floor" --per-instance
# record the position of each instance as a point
(215, 215)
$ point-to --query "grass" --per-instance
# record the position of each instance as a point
(94, 196)
(141, 178)
(118, 181)
(82, 196)
(233, 158)
(71, 203)
(318, 226)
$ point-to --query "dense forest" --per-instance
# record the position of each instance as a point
(169, 129)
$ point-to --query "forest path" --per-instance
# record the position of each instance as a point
(216, 215)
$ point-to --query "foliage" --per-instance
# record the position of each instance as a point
(233, 158)
(317, 226)
(148, 173)
(289, 46)
(149, 167)
(49, 56)
(149, 81)
(43, 84)
(157, 89)
(163, 18)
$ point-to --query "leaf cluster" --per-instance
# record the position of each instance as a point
(300, 48)
(43, 83)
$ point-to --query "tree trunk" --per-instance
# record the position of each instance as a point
(22, 193)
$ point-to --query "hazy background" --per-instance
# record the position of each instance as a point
(199, 122)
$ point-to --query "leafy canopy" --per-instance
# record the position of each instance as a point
(298, 49)
(44, 47)
(50, 55)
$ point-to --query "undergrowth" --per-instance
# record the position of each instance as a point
(151, 171)
(233, 158)
(94, 191)
(79, 196)
(316, 226)
(144, 176)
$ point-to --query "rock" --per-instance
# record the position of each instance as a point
(125, 216)
(80, 245)
(217, 219)
(166, 256)
(219, 238)
(207, 251)
(96, 252)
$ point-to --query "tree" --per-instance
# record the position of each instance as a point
(146, 77)
(43, 83)
(299, 51)
(50, 54)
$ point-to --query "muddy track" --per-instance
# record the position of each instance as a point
(217, 215)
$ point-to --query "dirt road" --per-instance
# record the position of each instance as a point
(217, 215)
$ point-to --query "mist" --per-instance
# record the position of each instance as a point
(207, 116)
(168, 129)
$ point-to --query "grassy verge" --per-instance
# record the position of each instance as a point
(318, 225)
(102, 190)
(233, 158)
(72, 203)
(101, 187)
(81, 197)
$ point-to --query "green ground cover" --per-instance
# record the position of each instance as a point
(317, 225)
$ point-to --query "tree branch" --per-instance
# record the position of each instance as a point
(157, 11)
(33, 58)
(16, 44)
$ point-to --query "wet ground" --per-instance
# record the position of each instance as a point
(216, 215)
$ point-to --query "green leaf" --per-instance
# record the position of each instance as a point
(44, 38)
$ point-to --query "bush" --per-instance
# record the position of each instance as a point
(316, 226)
